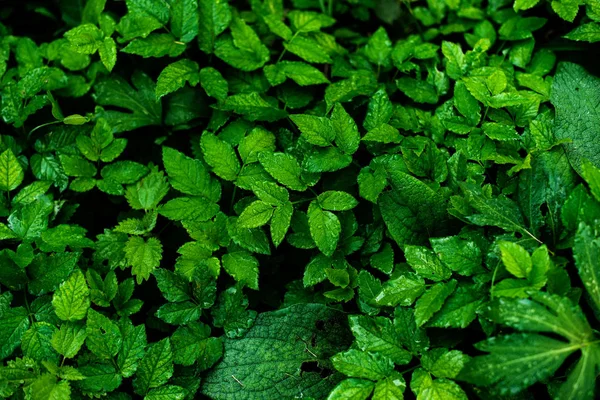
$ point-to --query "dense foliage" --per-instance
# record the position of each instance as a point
(342, 199)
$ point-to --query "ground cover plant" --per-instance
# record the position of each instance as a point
(305, 199)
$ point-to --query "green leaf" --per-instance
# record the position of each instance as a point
(11, 172)
(184, 19)
(132, 349)
(175, 75)
(28, 222)
(352, 389)
(47, 387)
(333, 200)
(589, 32)
(13, 323)
(253, 107)
(419, 91)
(167, 392)
(432, 301)
(403, 290)
(189, 175)
(179, 313)
(243, 267)
(191, 343)
(516, 259)
(362, 364)
(580, 383)
(383, 134)
(143, 256)
(48, 272)
(72, 299)
(545, 313)
(444, 363)
(125, 172)
(280, 222)
(461, 256)
(220, 156)
(36, 342)
(591, 174)
(500, 211)
(379, 48)
(524, 4)
(460, 309)
(466, 104)
(276, 26)
(384, 260)
(189, 208)
(316, 130)
(77, 166)
(390, 388)
(308, 49)
(257, 359)
(378, 335)
(155, 368)
(379, 111)
(347, 137)
(141, 101)
(230, 312)
(257, 141)
(172, 286)
(284, 168)
(586, 253)
(69, 338)
(243, 49)
(103, 336)
(213, 83)
(256, 214)
(516, 361)
(426, 263)
(148, 192)
(155, 45)
(85, 39)
(214, 18)
(92, 10)
(100, 378)
(440, 389)
(325, 228)
(309, 21)
(573, 95)
(301, 73)
(142, 18)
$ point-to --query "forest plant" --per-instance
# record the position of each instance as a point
(305, 199)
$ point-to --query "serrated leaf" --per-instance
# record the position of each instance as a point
(175, 76)
(243, 267)
(155, 368)
(214, 18)
(213, 83)
(72, 299)
(264, 353)
(432, 301)
(377, 334)
(143, 256)
(362, 364)
(325, 228)
(189, 175)
(284, 168)
(256, 214)
(103, 336)
(347, 137)
(316, 130)
(220, 156)
(11, 172)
